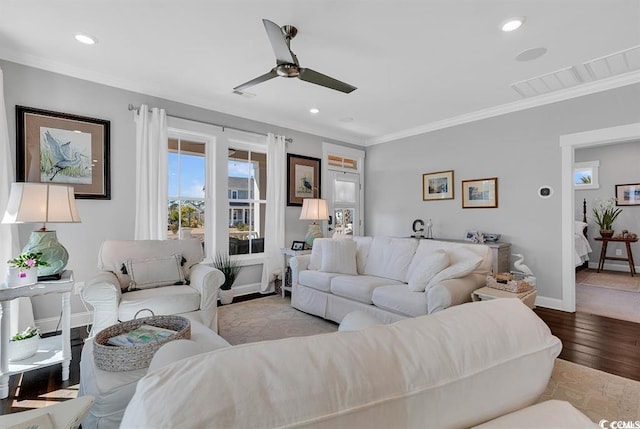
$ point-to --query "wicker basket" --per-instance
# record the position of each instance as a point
(509, 282)
(114, 358)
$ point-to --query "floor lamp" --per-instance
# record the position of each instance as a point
(43, 203)
(314, 209)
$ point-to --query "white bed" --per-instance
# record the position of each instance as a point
(582, 247)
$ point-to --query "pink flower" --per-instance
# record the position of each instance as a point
(31, 262)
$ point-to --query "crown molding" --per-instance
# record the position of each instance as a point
(566, 94)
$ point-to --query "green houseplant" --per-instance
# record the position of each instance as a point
(24, 344)
(20, 269)
(605, 214)
(230, 268)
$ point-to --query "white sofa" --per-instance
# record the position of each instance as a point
(153, 263)
(454, 369)
(388, 278)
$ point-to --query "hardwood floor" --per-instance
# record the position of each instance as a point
(598, 342)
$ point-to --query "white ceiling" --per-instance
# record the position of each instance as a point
(418, 65)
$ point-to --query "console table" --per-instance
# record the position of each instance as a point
(51, 350)
(500, 252)
(603, 252)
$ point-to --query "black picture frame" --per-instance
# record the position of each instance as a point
(628, 194)
(303, 179)
(297, 245)
(55, 147)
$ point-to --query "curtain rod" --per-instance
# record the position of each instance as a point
(131, 107)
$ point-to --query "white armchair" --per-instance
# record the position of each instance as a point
(106, 292)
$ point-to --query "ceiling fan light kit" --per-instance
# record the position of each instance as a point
(287, 63)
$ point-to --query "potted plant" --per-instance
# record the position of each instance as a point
(24, 344)
(230, 268)
(605, 214)
(20, 269)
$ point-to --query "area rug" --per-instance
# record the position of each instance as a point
(617, 304)
(609, 279)
(597, 394)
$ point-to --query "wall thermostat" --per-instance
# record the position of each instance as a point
(545, 191)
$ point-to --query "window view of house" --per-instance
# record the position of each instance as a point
(247, 194)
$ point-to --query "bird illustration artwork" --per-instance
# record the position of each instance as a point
(64, 156)
(307, 184)
(518, 265)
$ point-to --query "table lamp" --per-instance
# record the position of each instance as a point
(314, 209)
(43, 202)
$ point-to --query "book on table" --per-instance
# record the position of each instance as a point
(142, 335)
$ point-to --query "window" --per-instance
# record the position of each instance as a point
(585, 175)
(186, 200)
(247, 182)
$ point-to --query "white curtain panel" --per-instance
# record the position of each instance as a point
(151, 174)
(21, 310)
(274, 217)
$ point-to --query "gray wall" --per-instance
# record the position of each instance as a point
(114, 219)
(521, 149)
(619, 164)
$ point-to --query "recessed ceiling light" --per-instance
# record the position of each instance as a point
(86, 39)
(346, 119)
(512, 24)
(314, 111)
(531, 54)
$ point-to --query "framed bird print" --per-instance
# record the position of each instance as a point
(303, 179)
(55, 147)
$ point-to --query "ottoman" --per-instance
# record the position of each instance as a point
(114, 390)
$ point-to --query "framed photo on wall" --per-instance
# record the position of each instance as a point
(437, 186)
(480, 193)
(303, 178)
(55, 147)
(628, 195)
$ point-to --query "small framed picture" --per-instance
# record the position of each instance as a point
(480, 193)
(437, 186)
(297, 245)
(303, 179)
(470, 235)
(628, 195)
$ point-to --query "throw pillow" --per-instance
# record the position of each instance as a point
(426, 268)
(579, 226)
(155, 272)
(467, 262)
(315, 260)
(339, 256)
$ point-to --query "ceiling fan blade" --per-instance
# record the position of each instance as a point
(278, 43)
(272, 73)
(313, 76)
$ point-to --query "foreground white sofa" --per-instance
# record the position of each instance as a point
(388, 278)
(155, 261)
(453, 369)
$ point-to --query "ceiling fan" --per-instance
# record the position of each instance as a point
(287, 62)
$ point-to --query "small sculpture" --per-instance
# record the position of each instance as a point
(518, 265)
(429, 229)
(418, 228)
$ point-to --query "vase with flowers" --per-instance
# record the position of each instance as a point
(23, 269)
(605, 214)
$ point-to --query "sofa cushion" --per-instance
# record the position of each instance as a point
(390, 257)
(463, 262)
(163, 301)
(316, 280)
(154, 272)
(359, 288)
(399, 299)
(424, 267)
(363, 244)
(315, 260)
(339, 256)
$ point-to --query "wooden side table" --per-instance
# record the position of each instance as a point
(52, 350)
(603, 252)
(486, 293)
(286, 254)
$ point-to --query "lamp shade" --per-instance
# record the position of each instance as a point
(314, 209)
(41, 202)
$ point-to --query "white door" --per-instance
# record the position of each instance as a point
(343, 198)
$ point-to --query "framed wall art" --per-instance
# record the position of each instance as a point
(628, 195)
(437, 186)
(55, 147)
(585, 175)
(480, 193)
(303, 178)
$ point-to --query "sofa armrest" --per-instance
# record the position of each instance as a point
(207, 280)
(298, 264)
(103, 293)
(451, 292)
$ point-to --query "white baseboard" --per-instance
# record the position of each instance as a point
(613, 267)
(552, 303)
(246, 289)
(77, 319)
